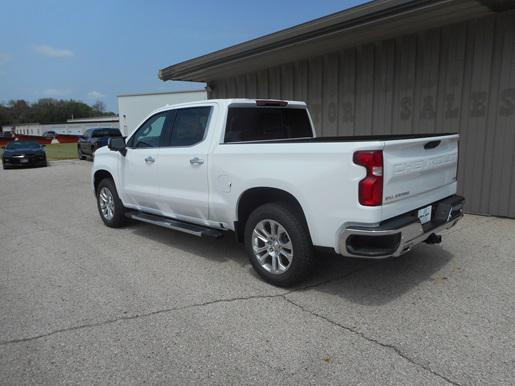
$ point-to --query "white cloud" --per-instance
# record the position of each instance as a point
(95, 95)
(52, 51)
(54, 92)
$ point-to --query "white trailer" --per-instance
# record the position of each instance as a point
(133, 108)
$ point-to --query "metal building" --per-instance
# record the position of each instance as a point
(393, 66)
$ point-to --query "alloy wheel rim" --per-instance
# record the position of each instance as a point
(106, 200)
(272, 246)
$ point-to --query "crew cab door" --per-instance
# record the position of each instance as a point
(183, 166)
(139, 169)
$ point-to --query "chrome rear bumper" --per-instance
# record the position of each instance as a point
(389, 240)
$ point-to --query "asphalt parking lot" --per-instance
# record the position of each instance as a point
(83, 303)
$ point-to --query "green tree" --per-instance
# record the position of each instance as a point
(5, 115)
(19, 109)
(48, 110)
(99, 107)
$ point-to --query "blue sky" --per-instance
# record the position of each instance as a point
(95, 50)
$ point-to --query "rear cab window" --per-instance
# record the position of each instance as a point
(249, 123)
(106, 133)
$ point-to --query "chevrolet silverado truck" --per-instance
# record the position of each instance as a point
(257, 169)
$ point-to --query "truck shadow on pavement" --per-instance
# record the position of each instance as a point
(221, 250)
(378, 282)
(365, 282)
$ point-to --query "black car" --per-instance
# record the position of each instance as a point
(23, 153)
(94, 139)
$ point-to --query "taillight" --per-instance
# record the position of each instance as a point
(370, 187)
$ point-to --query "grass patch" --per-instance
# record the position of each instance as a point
(59, 151)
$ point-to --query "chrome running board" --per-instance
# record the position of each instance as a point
(165, 222)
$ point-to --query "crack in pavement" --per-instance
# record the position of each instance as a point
(166, 310)
(136, 316)
(282, 295)
(369, 339)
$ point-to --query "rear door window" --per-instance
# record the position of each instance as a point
(266, 123)
(189, 126)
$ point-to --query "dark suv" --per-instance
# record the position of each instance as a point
(94, 139)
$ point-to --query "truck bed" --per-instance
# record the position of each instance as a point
(349, 138)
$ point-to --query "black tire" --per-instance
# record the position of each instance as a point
(118, 218)
(290, 218)
(79, 154)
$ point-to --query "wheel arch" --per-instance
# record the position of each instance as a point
(254, 197)
(100, 175)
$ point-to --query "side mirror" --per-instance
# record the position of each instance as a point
(117, 144)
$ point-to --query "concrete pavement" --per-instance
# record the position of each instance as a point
(83, 303)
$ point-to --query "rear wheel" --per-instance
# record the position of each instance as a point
(278, 244)
(109, 204)
(79, 153)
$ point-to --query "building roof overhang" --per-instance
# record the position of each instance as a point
(369, 22)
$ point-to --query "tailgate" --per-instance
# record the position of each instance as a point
(418, 166)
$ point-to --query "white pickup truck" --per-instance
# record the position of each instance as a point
(256, 168)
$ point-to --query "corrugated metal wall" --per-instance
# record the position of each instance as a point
(458, 78)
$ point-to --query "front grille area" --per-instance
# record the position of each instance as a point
(27, 159)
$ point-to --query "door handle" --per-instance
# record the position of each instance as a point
(196, 161)
(150, 160)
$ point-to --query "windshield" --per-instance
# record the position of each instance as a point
(23, 144)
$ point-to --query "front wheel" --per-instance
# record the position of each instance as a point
(278, 244)
(109, 204)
